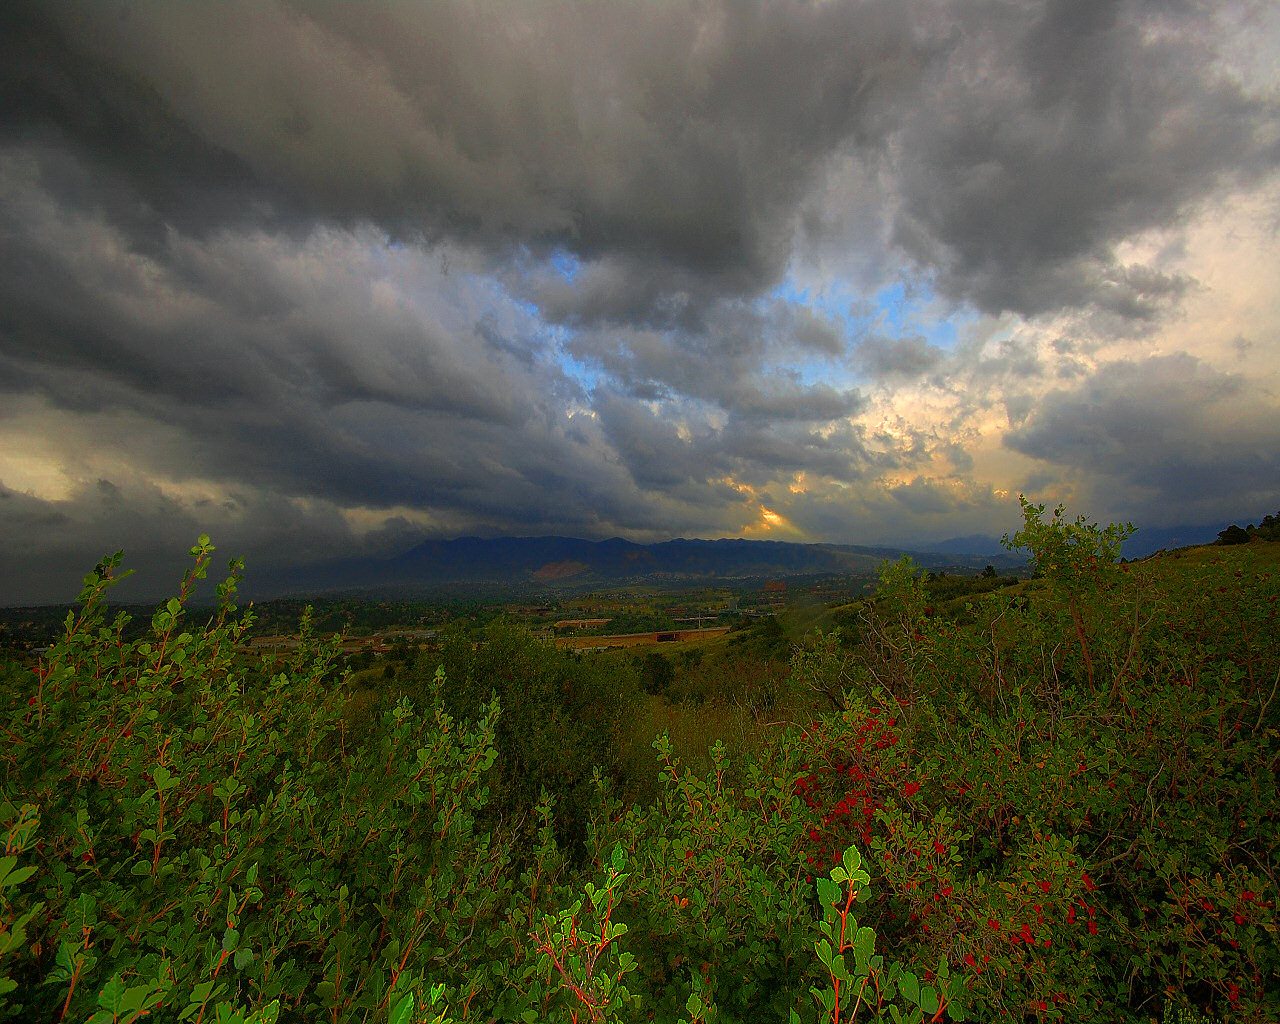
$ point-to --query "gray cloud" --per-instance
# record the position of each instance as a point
(1055, 130)
(684, 133)
(817, 333)
(882, 357)
(536, 267)
(1021, 143)
(51, 545)
(1168, 431)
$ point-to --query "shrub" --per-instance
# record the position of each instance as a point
(204, 837)
(1063, 807)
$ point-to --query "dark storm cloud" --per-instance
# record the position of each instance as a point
(529, 266)
(1171, 427)
(677, 141)
(682, 133)
(1055, 130)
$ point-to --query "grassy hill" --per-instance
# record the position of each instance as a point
(1048, 800)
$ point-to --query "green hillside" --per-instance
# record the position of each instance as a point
(984, 799)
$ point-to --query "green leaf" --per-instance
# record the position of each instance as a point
(910, 986)
(864, 945)
(402, 1012)
(269, 1014)
(230, 940)
(112, 995)
(162, 778)
(10, 878)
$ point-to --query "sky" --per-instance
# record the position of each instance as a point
(325, 279)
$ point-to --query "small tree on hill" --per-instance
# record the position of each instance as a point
(1233, 535)
(1075, 557)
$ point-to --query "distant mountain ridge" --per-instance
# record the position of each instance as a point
(521, 563)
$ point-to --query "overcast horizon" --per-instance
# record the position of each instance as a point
(325, 280)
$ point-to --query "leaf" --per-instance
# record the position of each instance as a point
(11, 878)
(162, 778)
(910, 986)
(864, 944)
(402, 1012)
(111, 996)
(230, 940)
(269, 1014)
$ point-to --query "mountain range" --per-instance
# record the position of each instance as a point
(528, 564)
(475, 564)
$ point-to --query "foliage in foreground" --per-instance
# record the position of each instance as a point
(1063, 809)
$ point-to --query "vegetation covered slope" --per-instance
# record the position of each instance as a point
(1060, 805)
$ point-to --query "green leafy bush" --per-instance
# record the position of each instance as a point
(1073, 798)
(204, 835)
(1059, 806)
